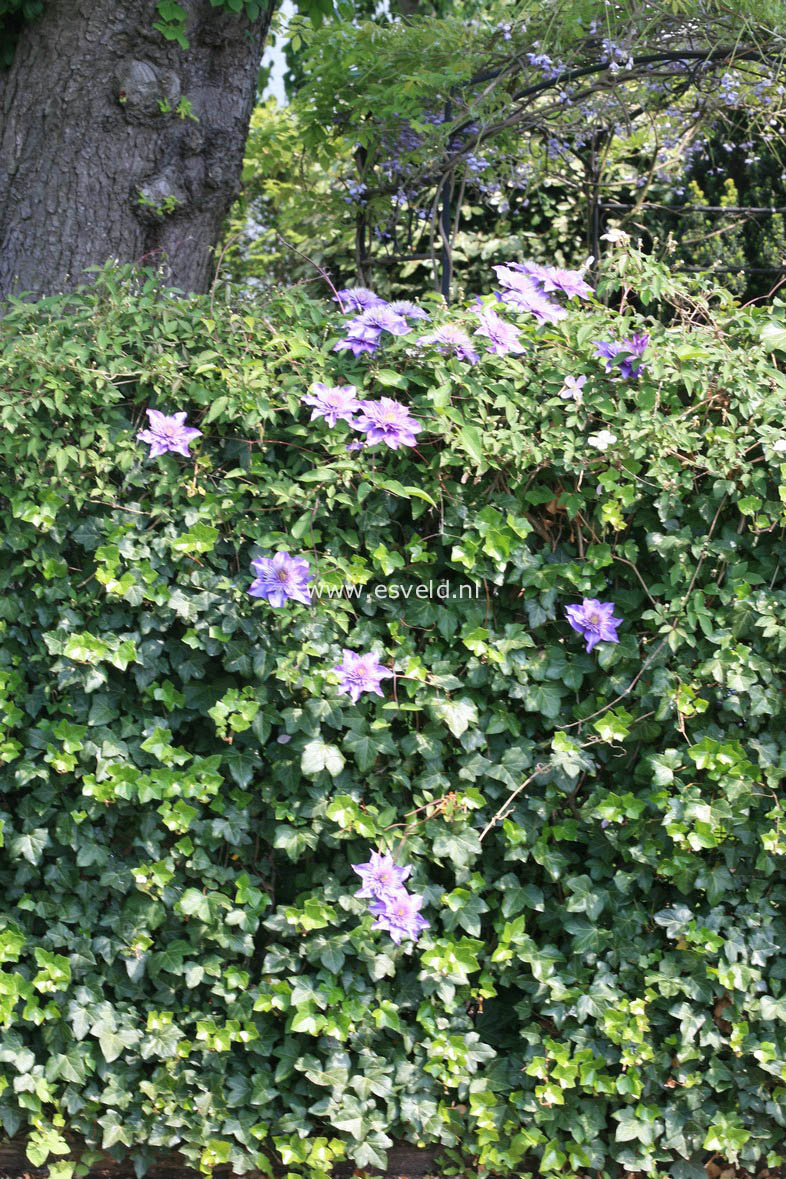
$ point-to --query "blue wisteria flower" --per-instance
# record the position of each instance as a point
(408, 310)
(281, 578)
(334, 403)
(594, 620)
(360, 673)
(399, 915)
(504, 336)
(168, 433)
(380, 877)
(449, 338)
(573, 389)
(358, 299)
(387, 421)
(624, 355)
(360, 338)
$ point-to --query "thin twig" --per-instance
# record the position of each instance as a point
(501, 812)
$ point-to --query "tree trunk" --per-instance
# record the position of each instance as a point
(117, 143)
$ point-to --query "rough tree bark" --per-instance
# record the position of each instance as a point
(115, 143)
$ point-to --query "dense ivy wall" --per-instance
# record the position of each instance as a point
(597, 836)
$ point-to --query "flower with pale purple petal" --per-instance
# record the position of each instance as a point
(594, 620)
(522, 292)
(357, 299)
(623, 354)
(334, 403)
(408, 310)
(380, 877)
(360, 673)
(552, 278)
(517, 276)
(360, 338)
(168, 433)
(504, 336)
(384, 319)
(399, 915)
(531, 301)
(281, 578)
(387, 421)
(570, 282)
(573, 389)
(449, 338)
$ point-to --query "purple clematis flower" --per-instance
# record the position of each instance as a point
(570, 282)
(408, 310)
(594, 620)
(360, 673)
(399, 915)
(623, 354)
(387, 421)
(504, 336)
(554, 278)
(357, 299)
(380, 876)
(449, 338)
(384, 319)
(281, 578)
(334, 403)
(531, 301)
(523, 293)
(168, 433)
(360, 338)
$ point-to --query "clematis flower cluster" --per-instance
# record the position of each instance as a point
(503, 336)
(451, 340)
(396, 910)
(386, 420)
(375, 316)
(623, 355)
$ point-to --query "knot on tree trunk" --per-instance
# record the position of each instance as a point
(144, 89)
(159, 197)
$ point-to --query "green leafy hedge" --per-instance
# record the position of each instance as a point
(183, 793)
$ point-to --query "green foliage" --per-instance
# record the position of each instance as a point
(599, 838)
(505, 124)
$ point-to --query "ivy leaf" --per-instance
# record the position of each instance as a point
(317, 756)
(458, 715)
